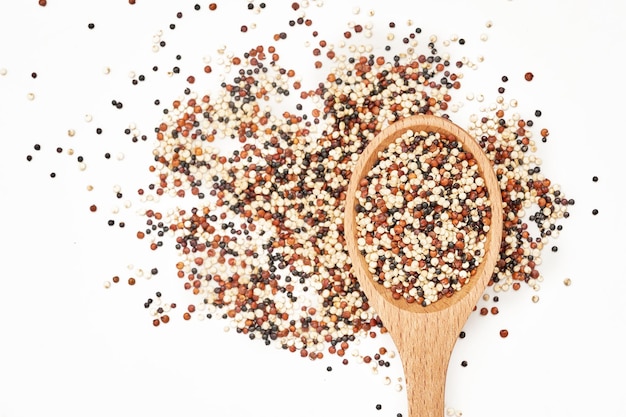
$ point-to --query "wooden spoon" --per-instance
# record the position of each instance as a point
(424, 336)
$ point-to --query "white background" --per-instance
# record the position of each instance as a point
(69, 347)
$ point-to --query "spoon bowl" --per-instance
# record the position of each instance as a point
(424, 335)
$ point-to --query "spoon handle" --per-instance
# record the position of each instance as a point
(425, 345)
(425, 373)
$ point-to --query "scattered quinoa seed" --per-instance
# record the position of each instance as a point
(261, 159)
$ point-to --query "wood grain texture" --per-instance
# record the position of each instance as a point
(424, 336)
